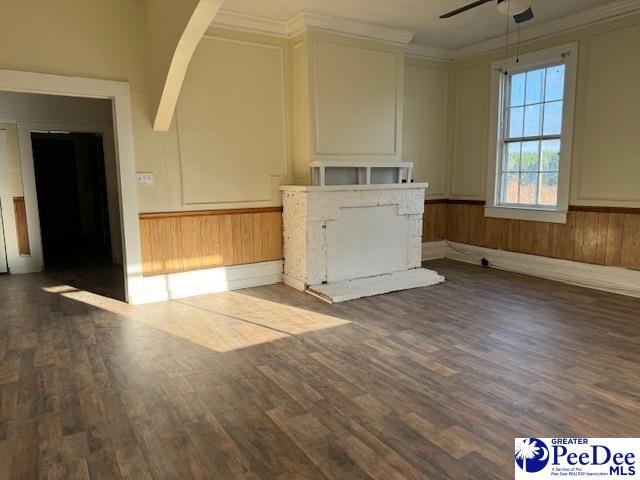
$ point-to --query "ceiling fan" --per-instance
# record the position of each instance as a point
(520, 9)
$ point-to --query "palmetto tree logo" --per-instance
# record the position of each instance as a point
(532, 455)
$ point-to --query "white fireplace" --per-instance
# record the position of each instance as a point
(346, 241)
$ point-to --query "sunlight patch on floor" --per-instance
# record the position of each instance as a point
(222, 322)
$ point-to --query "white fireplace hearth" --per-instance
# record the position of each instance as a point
(343, 242)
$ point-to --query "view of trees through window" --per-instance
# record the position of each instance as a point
(531, 137)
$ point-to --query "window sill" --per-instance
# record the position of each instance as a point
(531, 214)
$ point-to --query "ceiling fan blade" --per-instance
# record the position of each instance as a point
(524, 16)
(477, 3)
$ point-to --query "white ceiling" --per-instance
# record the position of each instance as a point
(419, 16)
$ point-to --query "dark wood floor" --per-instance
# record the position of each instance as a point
(269, 383)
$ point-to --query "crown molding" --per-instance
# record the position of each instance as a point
(301, 22)
(430, 53)
(251, 23)
(305, 20)
(610, 11)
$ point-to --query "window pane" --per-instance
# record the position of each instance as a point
(509, 188)
(516, 116)
(548, 189)
(555, 83)
(513, 157)
(552, 118)
(528, 188)
(550, 156)
(534, 86)
(529, 159)
(532, 120)
(517, 89)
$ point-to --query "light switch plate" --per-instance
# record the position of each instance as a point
(145, 178)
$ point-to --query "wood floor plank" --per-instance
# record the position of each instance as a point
(319, 444)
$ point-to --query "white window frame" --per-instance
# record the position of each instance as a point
(567, 54)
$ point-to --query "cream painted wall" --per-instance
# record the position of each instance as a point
(470, 131)
(348, 95)
(300, 121)
(28, 107)
(109, 40)
(605, 165)
(425, 141)
(355, 100)
(74, 37)
(229, 144)
(165, 25)
(104, 40)
(232, 122)
(13, 161)
(174, 30)
(607, 153)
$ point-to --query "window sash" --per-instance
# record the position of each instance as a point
(531, 139)
(505, 140)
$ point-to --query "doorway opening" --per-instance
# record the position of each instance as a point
(73, 204)
(117, 131)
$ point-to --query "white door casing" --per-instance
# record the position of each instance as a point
(3, 250)
(5, 208)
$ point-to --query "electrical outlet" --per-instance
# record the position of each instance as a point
(145, 178)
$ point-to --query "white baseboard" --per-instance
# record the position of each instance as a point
(200, 282)
(609, 279)
(434, 250)
(25, 264)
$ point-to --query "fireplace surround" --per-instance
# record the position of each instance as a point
(343, 242)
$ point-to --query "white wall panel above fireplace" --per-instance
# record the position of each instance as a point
(355, 100)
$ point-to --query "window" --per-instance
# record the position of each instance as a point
(531, 137)
(529, 178)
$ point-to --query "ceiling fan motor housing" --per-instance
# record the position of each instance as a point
(513, 7)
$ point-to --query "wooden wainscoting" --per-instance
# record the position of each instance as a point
(434, 226)
(597, 235)
(22, 230)
(182, 241)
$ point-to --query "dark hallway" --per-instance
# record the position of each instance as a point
(74, 211)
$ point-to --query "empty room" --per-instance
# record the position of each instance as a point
(320, 239)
